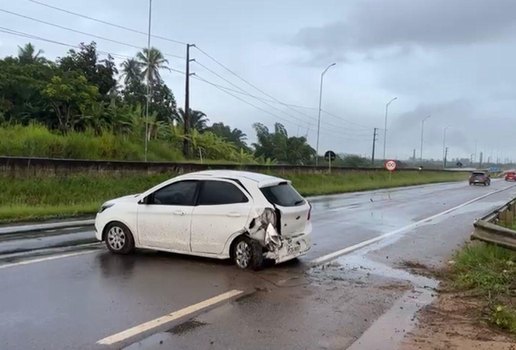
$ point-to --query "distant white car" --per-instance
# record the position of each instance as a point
(245, 216)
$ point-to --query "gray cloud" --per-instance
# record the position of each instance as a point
(400, 25)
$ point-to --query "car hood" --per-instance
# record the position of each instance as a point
(129, 198)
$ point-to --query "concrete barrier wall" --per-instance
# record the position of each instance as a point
(25, 166)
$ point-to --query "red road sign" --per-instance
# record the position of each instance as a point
(390, 165)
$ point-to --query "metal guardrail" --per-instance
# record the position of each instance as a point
(488, 228)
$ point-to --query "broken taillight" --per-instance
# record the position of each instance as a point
(309, 212)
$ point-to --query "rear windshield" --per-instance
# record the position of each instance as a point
(478, 174)
(283, 195)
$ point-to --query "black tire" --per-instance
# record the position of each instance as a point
(247, 253)
(118, 238)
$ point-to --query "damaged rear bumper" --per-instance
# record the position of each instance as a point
(291, 248)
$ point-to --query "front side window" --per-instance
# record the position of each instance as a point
(220, 192)
(178, 193)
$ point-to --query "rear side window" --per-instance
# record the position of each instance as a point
(220, 192)
(283, 195)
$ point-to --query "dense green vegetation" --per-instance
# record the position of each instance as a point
(45, 197)
(59, 108)
(490, 272)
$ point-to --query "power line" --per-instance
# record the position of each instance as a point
(242, 79)
(243, 92)
(81, 32)
(290, 106)
(31, 36)
(105, 22)
(347, 120)
(266, 103)
(35, 37)
(336, 133)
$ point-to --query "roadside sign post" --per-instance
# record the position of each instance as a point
(390, 165)
(329, 156)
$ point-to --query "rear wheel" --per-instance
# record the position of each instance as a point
(247, 253)
(119, 238)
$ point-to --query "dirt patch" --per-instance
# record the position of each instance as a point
(454, 321)
(186, 327)
(418, 268)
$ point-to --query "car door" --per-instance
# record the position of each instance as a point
(164, 216)
(222, 209)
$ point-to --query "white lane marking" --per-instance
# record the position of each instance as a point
(331, 256)
(48, 258)
(115, 338)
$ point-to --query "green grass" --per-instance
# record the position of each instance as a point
(490, 271)
(46, 197)
(320, 184)
(37, 198)
(37, 141)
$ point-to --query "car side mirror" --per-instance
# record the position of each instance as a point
(146, 200)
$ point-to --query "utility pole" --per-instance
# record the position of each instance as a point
(374, 144)
(475, 157)
(148, 83)
(422, 134)
(414, 155)
(445, 156)
(480, 159)
(186, 121)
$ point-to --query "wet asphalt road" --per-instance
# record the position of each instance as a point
(72, 302)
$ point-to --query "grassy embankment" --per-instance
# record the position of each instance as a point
(488, 272)
(47, 197)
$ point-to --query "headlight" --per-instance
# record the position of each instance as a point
(105, 206)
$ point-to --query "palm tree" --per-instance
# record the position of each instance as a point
(131, 70)
(238, 136)
(151, 61)
(198, 119)
(29, 55)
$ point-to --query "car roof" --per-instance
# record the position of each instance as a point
(261, 179)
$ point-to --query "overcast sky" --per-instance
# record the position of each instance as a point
(451, 59)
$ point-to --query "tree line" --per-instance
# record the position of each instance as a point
(82, 92)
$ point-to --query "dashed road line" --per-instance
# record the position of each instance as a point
(144, 327)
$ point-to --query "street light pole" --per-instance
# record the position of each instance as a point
(148, 82)
(319, 117)
(385, 126)
(444, 146)
(422, 133)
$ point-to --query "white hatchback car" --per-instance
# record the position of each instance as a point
(222, 214)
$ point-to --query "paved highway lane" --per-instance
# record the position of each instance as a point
(74, 301)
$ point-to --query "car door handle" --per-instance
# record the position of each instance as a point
(179, 212)
(233, 215)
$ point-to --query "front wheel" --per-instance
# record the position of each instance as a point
(247, 253)
(119, 238)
